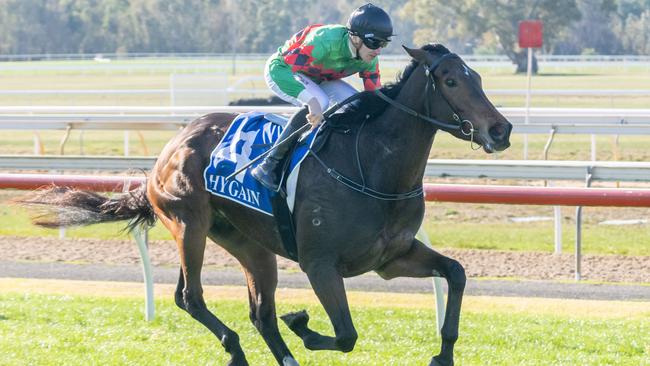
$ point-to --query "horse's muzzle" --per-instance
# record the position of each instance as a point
(500, 135)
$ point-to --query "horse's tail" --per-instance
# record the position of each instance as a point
(64, 206)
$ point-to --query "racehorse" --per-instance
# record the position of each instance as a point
(363, 218)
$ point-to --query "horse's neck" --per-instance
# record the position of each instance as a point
(399, 143)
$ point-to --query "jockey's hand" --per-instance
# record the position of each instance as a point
(315, 115)
(315, 120)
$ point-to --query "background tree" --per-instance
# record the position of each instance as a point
(33, 26)
(593, 33)
(269, 24)
(463, 22)
(465, 26)
(632, 25)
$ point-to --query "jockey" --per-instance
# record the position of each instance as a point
(307, 71)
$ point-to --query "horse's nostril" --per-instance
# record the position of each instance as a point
(499, 132)
(496, 132)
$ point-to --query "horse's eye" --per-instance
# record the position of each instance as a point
(450, 83)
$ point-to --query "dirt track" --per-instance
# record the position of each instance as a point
(478, 263)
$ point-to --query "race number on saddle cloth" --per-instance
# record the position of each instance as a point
(250, 135)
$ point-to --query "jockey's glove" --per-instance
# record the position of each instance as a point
(315, 116)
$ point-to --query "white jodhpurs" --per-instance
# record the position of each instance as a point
(327, 93)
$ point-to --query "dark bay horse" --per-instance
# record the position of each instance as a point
(345, 227)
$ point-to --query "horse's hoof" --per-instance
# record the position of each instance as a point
(436, 362)
(289, 361)
(296, 320)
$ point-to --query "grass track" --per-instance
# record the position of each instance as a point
(56, 322)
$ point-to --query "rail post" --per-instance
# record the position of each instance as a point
(437, 286)
(140, 235)
(578, 270)
(557, 211)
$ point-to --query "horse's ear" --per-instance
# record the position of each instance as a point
(418, 54)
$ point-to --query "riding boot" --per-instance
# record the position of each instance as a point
(269, 172)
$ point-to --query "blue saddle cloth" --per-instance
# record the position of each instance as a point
(249, 135)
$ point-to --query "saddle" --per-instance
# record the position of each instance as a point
(250, 135)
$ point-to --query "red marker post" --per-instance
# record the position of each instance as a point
(530, 36)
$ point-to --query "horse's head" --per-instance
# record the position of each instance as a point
(454, 94)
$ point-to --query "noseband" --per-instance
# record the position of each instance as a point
(464, 126)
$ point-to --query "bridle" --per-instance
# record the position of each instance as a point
(429, 90)
(464, 126)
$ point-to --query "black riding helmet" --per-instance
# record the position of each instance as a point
(371, 23)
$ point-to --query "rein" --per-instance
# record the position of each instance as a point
(449, 127)
(430, 88)
(441, 125)
(361, 187)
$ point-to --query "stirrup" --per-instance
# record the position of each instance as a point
(269, 179)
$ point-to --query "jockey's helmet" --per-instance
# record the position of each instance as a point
(372, 24)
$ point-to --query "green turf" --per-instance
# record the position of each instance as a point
(72, 330)
(539, 236)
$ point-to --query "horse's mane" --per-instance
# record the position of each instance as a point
(369, 104)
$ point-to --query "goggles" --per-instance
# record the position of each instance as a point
(374, 43)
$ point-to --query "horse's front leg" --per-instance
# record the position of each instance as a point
(328, 286)
(422, 261)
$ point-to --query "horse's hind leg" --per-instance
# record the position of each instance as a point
(422, 261)
(190, 237)
(260, 267)
(328, 286)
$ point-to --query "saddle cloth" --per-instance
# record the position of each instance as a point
(249, 135)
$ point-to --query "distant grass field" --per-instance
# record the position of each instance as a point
(539, 237)
(564, 147)
(105, 142)
(59, 323)
(612, 76)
